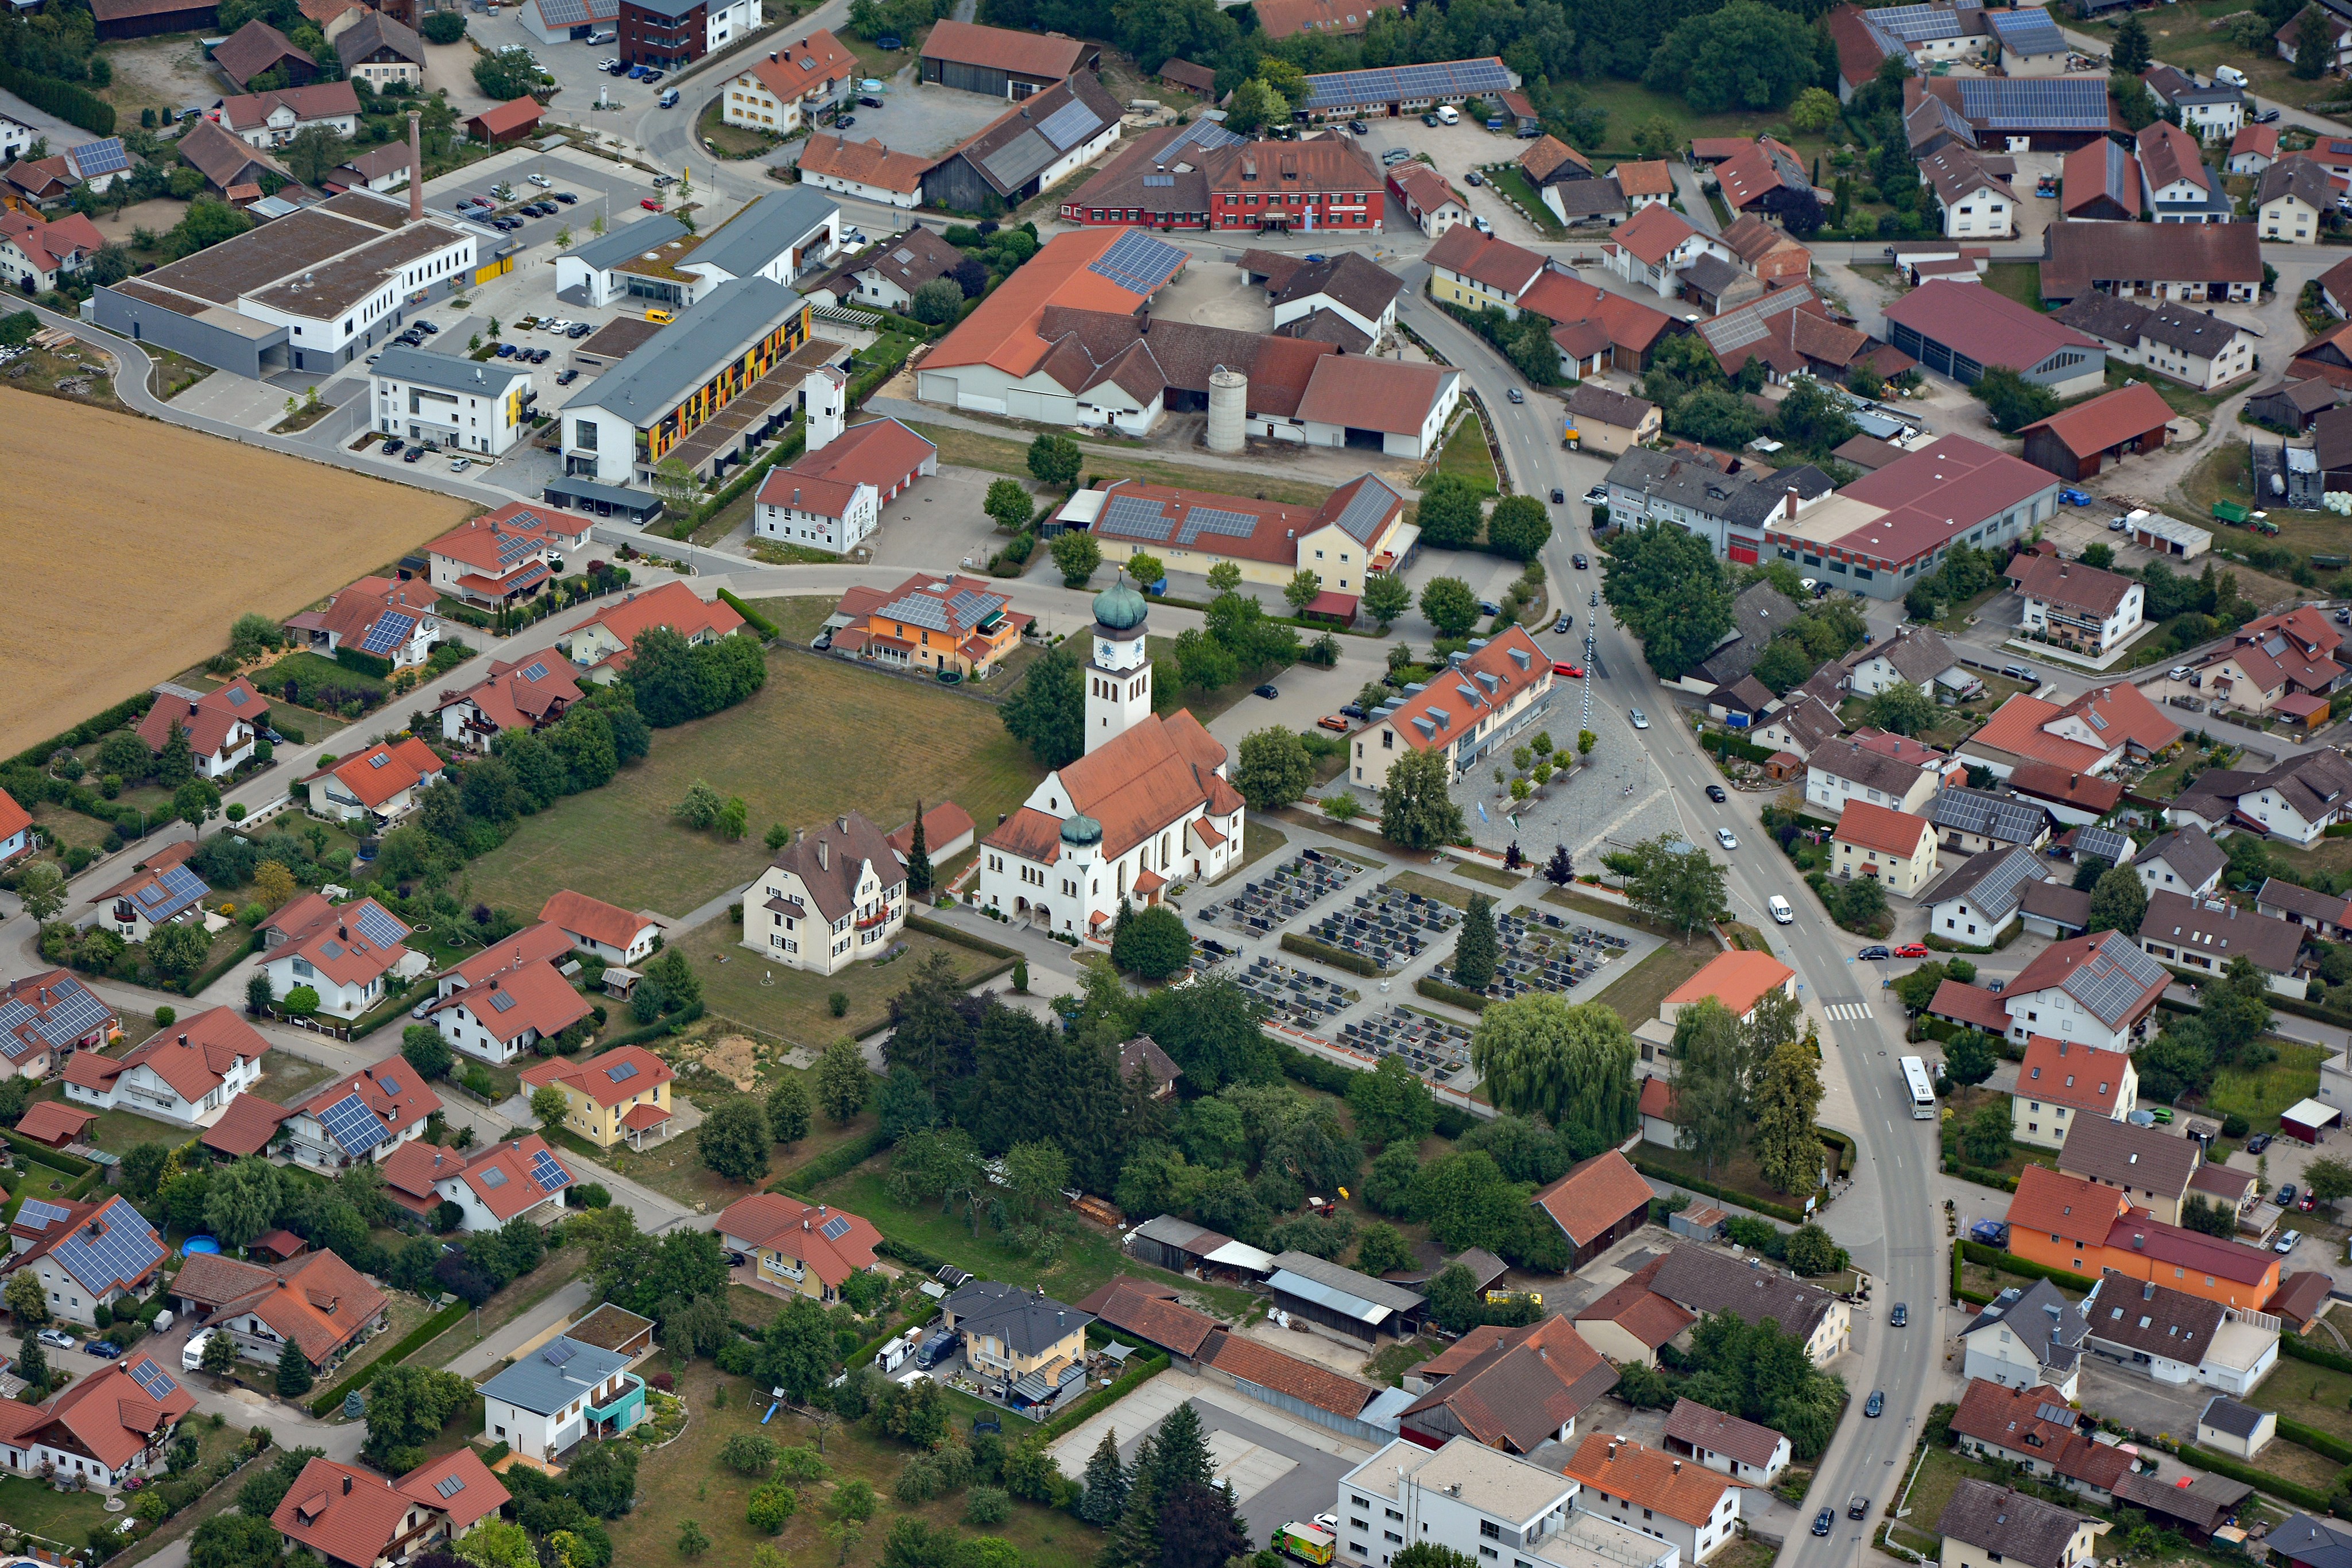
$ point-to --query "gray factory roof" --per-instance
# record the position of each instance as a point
(651, 382)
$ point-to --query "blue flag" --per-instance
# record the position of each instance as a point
(1482, 811)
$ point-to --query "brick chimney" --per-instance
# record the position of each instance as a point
(416, 165)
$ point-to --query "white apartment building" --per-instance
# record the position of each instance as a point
(1500, 1511)
(455, 402)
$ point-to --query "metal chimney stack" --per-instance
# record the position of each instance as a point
(415, 166)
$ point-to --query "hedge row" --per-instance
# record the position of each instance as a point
(130, 711)
(2010, 1263)
(790, 447)
(1439, 991)
(1324, 953)
(758, 623)
(42, 1154)
(839, 1160)
(1981, 1177)
(245, 950)
(416, 1339)
(960, 937)
(75, 105)
(1961, 1292)
(1315, 1072)
(2302, 1349)
(2222, 1465)
(660, 1030)
(1765, 1206)
(366, 664)
(2318, 1442)
(1141, 1367)
(914, 1257)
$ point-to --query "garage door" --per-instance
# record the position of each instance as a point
(1742, 552)
(932, 387)
(1050, 407)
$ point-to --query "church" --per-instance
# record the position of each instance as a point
(1148, 805)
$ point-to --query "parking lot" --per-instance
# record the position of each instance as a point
(922, 119)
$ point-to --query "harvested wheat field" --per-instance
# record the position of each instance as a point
(152, 539)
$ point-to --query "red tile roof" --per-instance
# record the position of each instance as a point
(794, 71)
(384, 769)
(516, 1187)
(195, 1058)
(1238, 1356)
(1652, 233)
(2075, 1208)
(2086, 790)
(800, 1231)
(398, 1110)
(2109, 420)
(333, 942)
(2080, 1076)
(944, 824)
(673, 605)
(2016, 726)
(1971, 1005)
(1649, 1478)
(577, 915)
(866, 162)
(1149, 1314)
(1462, 697)
(536, 997)
(1987, 326)
(1594, 1196)
(1869, 827)
(478, 1494)
(1425, 188)
(55, 1123)
(13, 817)
(2012, 1418)
(1482, 258)
(246, 1127)
(1048, 55)
(882, 452)
(1738, 979)
(593, 1077)
(507, 119)
(1002, 330)
(512, 699)
(1658, 1099)
(1520, 1389)
(317, 1301)
(208, 721)
(112, 1415)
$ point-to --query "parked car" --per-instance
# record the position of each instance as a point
(2019, 673)
(668, 100)
(392, 449)
(2258, 1143)
(2286, 1195)
(1359, 128)
(1474, 178)
(566, 377)
(1714, 793)
(541, 181)
(937, 1349)
(1876, 950)
(104, 1349)
(1352, 710)
(1429, 119)
(56, 1339)
(1266, 691)
(413, 454)
(1824, 1521)
(425, 326)
(2267, 117)
(566, 197)
(2117, 524)
(650, 203)
(1912, 950)
(1488, 607)
(1875, 1406)
(1573, 672)
(847, 120)
(869, 103)
(461, 465)
(1597, 497)
(2287, 1243)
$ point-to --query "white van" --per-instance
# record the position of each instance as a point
(1780, 910)
(2230, 76)
(1449, 115)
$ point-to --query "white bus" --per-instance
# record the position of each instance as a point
(1922, 1089)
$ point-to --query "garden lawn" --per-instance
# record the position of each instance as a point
(2318, 1397)
(1940, 1476)
(1601, 909)
(560, 1267)
(1629, 103)
(2018, 280)
(1090, 1255)
(792, 1004)
(1511, 182)
(59, 1516)
(1466, 455)
(622, 843)
(1635, 993)
(2260, 1095)
(1258, 842)
(797, 621)
(285, 1078)
(685, 1481)
(2178, 36)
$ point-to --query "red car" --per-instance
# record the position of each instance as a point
(650, 204)
(1912, 950)
(1573, 672)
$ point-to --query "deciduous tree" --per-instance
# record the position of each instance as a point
(1272, 768)
(1417, 809)
(1788, 1095)
(2118, 902)
(1540, 1055)
(733, 1139)
(1047, 713)
(842, 1081)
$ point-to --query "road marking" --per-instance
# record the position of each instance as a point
(1845, 1013)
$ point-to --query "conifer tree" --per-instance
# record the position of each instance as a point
(1107, 1484)
(1474, 955)
(919, 860)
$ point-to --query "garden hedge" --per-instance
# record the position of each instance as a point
(42, 1154)
(245, 950)
(1650, 1168)
(1981, 1177)
(366, 664)
(2302, 1349)
(960, 937)
(758, 623)
(839, 1160)
(1315, 1072)
(129, 711)
(75, 105)
(1324, 953)
(790, 447)
(1141, 1367)
(416, 1339)
(2010, 1263)
(2318, 1442)
(2263, 1480)
(1439, 991)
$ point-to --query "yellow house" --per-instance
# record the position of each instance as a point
(1017, 1336)
(1894, 848)
(1984, 1524)
(1475, 270)
(621, 1096)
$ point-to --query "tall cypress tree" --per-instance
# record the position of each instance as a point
(1104, 1498)
(1474, 955)
(918, 859)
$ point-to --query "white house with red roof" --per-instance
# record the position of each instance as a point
(1478, 272)
(832, 498)
(529, 693)
(1650, 249)
(1430, 199)
(101, 1429)
(1467, 711)
(799, 1249)
(361, 1116)
(2095, 990)
(2091, 733)
(87, 1255)
(368, 622)
(601, 647)
(515, 1179)
(316, 1302)
(221, 724)
(502, 1009)
(603, 930)
(505, 555)
(343, 952)
(159, 891)
(1148, 804)
(2061, 1082)
(188, 1072)
(35, 254)
(343, 1514)
(15, 828)
(46, 1017)
(794, 80)
(375, 786)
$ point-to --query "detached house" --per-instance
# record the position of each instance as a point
(602, 930)
(356, 1518)
(547, 1403)
(1741, 1449)
(620, 1095)
(1693, 1507)
(160, 891)
(2178, 1336)
(830, 901)
(1889, 770)
(377, 786)
(504, 556)
(2079, 608)
(271, 120)
(342, 953)
(1650, 249)
(2294, 803)
(362, 1116)
(402, 633)
(1972, 821)
(2206, 934)
(1894, 849)
(517, 1180)
(503, 1004)
(805, 1249)
(2089, 735)
(85, 1255)
(1983, 898)
(2097, 989)
(1476, 271)
(1914, 656)
(220, 726)
(602, 647)
(518, 694)
(2176, 185)
(188, 1072)
(777, 94)
(2327, 915)
(318, 1304)
(2026, 1428)
(2295, 200)
(45, 1018)
(2029, 1337)
(1511, 1389)
(2060, 1084)
(2151, 1167)
(35, 254)
(102, 1429)
(2184, 860)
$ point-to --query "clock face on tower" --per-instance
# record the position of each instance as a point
(1102, 652)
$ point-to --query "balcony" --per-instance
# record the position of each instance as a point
(623, 1411)
(880, 917)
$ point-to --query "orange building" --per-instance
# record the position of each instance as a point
(2071, 1223)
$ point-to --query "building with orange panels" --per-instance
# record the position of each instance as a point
(2084, 1228)
(1738, 979)
(936, 624)
(1894, 848)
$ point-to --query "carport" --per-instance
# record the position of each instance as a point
(2306, 1119)
(603, 500)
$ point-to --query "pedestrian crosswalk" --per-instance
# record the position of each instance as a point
(1845, 1013)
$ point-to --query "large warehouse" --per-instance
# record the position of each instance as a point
(1956, 329)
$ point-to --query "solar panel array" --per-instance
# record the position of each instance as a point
(1140, 517)
(1069, 125)
(536, 671)
(449, 1486)
(39, 1215)
(493, 1177)
(1014, 164)
(1747, 326)
(566, 13)
(549, 1175)
(2112, 979)
(1917, 23)
(173, 890)
(2036, 103)
(512, 548)
(1138, 263)
(2002, 886)
(389, 633)
(2104, 843)
(1394, 84)
(389, 1085)
(834, 1229)
(378, 925)
(2027, 32)
(120, 1251)
(355, 1128)
(1993, 815)
(502, 1000)
(237, 696)
(157, 1382)
(622, 1073)
(1207, 135)
(1365, 509)
(559, 1353)
(73, 1013)
(107, 157)
(1152, 182)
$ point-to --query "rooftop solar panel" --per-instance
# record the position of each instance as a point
(389, 633)
(1069, 125)
(1155, 181)
(535, 671)
(1442, 78)
(1365, 511)
(378, 925)
(389, 1085)
(493, 1177)
(502, 1000)
(115, 1247)
(559, 1353)
(834, 1229)
(73, 1012)
(2027, 32)
(40, 1215)
(548, 1173)
(449, 1486)
(622, 1073)
(1014, 163)
(563, 13)
(1138, 263)
(2019, 103)
(107, 157)
(152, 1379)
(354, 1128)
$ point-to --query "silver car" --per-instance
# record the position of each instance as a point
(1640, 720)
